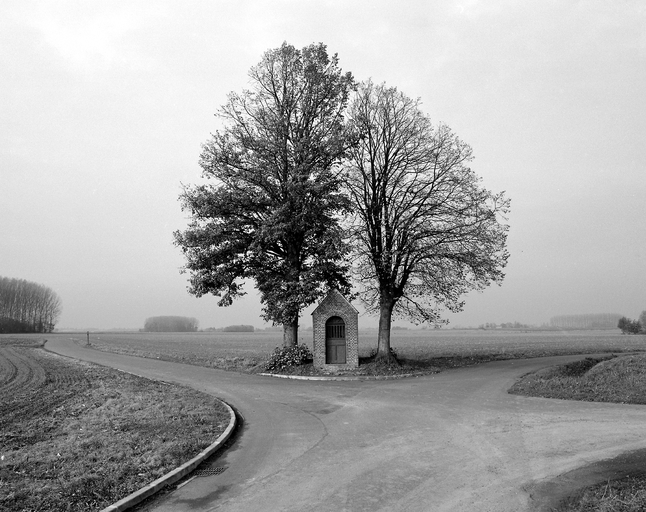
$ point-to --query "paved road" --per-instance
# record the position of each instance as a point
(455, 441)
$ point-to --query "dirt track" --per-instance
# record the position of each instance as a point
(450, 442)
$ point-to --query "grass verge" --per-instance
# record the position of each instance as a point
(79, 437)
(625, 495)
(369, 366)
(608, 379)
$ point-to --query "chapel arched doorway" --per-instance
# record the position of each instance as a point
(335, 346)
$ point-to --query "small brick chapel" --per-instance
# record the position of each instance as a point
(336, 333)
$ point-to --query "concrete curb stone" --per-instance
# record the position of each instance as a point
(172, 477)
(342, 377)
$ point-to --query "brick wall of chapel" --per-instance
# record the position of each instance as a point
(336, 305)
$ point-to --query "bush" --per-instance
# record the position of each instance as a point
(284, 357)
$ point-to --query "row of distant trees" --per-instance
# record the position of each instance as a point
(27, 306)
(629, 326)
(233, 328)
(505, 325)
(171, 324)
(589, 321)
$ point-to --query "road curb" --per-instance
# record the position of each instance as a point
(345, 377)
(178, 473)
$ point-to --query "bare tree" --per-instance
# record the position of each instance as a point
(27, 306)
(425, 230)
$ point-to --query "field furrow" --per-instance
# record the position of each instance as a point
(8, 370)
(39, 382)
(28, 375)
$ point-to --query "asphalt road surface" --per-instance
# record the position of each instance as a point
(455, 441)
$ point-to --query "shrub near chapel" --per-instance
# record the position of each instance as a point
(284, 357)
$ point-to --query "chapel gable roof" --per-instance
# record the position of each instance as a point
(335, 299)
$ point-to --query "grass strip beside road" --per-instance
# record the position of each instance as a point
(79, 437)
(609, 379)
(625, 495)
(605, 379)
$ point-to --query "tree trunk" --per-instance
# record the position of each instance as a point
(290, 334)
(386, 305)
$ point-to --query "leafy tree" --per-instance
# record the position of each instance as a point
(642, 320)
(425, 230)
(271, 213)
(623, 321)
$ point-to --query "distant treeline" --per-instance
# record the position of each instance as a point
(505, 325)
(171, 324)
(591, 321)
(27, 306)
(233, 328)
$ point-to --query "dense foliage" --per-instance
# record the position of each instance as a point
(270, 212)
(171, 324)
(27, 306)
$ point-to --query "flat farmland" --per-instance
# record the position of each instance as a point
(510, 344)
(244, 351)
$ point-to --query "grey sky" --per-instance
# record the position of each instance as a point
(105, 105)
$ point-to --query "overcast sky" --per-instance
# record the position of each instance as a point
(104, 107)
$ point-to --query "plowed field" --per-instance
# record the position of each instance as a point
(32, 382)
(78, 437)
